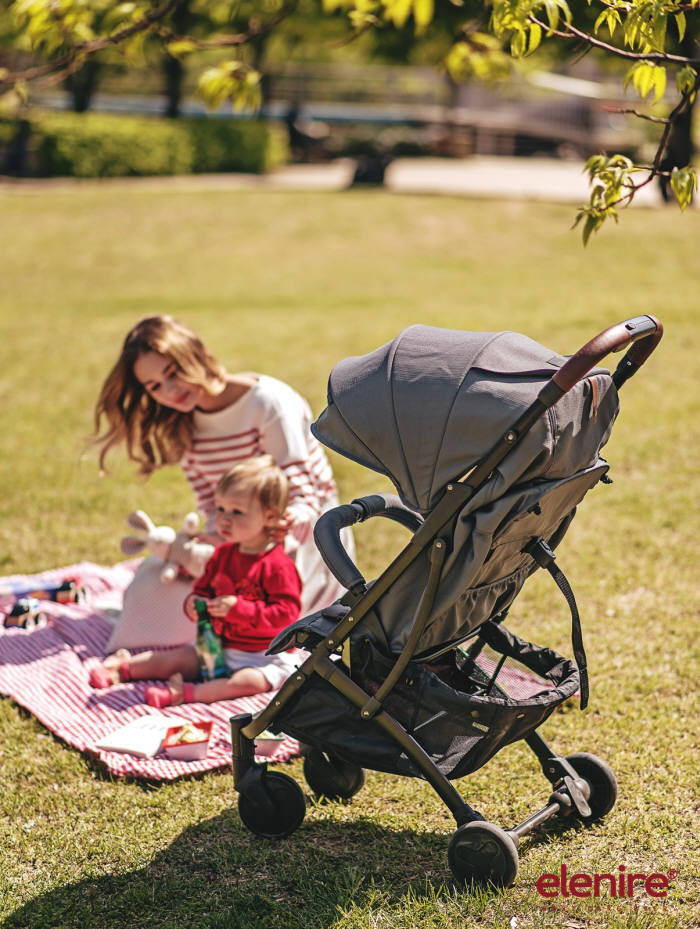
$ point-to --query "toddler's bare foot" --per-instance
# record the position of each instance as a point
(174, 693)
(117, 665)
(113, 670)
(176, 684)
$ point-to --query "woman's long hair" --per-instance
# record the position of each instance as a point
(154, 435)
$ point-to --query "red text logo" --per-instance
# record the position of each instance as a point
(622, 883)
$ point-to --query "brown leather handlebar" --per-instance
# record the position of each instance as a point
(645, 331)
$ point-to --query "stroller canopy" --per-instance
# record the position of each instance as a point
(427, 406)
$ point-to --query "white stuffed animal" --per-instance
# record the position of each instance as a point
(179, 550)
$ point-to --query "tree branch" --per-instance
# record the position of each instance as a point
(681, 107)
(573, 33)
(241, 38)
(65, 63)
(632, 112)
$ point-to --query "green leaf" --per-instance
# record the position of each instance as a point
(181, 47)
(591, 225)
(215, 86)
(659, 83)
(644, 79)
(685, 80)
(647, 77)
(553, 12)
(684, 183)
(613, 21)
(518, 43)
(659, 31)
(535, 37)
(423, 11)
(680, 25)
(457, 62)
(398, 11)
(564, 7)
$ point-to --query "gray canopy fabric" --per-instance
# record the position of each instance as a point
(427, 406)
(423, 410)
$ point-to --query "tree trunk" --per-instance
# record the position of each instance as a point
(679, 145)
(259, 45)
(173, 68)
(82, 84)
(174, 71)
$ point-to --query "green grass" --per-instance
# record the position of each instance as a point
(288, 283)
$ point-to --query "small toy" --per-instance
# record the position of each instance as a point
(26, 614)
(181, 551)
(70, 590)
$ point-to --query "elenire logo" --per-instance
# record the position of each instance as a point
(621, 884)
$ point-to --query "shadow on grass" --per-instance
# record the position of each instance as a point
(217, 875)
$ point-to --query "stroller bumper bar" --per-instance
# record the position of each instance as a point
(329, 525)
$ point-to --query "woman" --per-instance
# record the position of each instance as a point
(171, 402)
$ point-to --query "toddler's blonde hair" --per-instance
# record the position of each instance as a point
(260, 476)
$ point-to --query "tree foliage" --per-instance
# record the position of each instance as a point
(656, 39)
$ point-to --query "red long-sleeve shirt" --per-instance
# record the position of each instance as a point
(268, 589)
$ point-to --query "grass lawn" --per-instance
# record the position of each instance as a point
(288, 283)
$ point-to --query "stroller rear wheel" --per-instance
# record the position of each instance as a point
(331, 777)
(483, 853)
(600, 779)
(284, 813)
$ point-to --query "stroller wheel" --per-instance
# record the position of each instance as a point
(284, 814)
(601, 781)
(331, 777)
(482, 853)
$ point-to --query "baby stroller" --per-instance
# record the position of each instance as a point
(491, 441)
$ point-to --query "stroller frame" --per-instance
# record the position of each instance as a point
(272, 804)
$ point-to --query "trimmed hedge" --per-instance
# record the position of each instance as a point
(104, 145)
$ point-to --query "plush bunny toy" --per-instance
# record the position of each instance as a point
(179, 550)
(152, 615)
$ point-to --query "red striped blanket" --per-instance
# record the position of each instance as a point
(46, 671)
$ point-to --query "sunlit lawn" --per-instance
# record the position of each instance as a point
(288, 283)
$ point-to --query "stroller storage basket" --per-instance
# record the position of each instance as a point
(455, 711)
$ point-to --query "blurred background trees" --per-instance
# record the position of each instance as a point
(229, 51)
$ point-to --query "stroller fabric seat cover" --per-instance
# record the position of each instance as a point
(487, 564)
(424, 408)
(481, 577)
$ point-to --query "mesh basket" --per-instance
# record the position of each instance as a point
(461, 711)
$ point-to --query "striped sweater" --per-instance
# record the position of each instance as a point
(270, 418)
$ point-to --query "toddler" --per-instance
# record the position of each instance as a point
(249, 591)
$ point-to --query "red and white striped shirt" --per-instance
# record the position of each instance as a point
(270, 418)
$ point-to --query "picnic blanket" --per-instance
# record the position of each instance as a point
(46, 671)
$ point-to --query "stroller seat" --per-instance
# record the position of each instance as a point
(491, 442)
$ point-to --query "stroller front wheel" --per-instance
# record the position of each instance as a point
(601, 781)
(483, 853)
(331, 777)
(279, 817)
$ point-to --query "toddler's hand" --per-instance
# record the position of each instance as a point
(279, 531)
(220, 606)
(190, 607)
